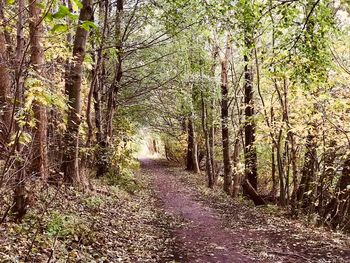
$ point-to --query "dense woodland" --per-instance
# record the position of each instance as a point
(252, 95)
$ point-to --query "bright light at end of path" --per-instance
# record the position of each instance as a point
(149, 145)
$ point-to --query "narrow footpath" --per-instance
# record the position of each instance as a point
(207, 236)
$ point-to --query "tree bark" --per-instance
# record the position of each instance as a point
(95, 83)
(208, 161)
(326, 178)
(115, 86)
(250, 126)
(19, 205)
(308, 171)
(224, 121)
(190, 142)
(337, 209)
(273, 159)
(70, 165)
(236, 174)
(40, 161)
(250, 191)
(194, 166)
(5, 85)
(294, 173)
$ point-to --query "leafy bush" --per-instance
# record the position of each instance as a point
(93, 201)
(124, 180)
(65, 226)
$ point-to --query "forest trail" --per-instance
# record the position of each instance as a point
(204, 238)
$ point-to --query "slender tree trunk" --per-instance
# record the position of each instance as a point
(196, 159)
(112, 93)
(236, 174)
(5, 85)
(19, 205)
(326, 178)
(280, 167)
(284, 168)
(95, 83)
(39, 152)
(273, 159)
(211, 115)
(70, 165)
(308, 171)
(294, 173)
(115, 87)
(250, 126)
(337, 208)
(192, 151)
(273, 172)
(211, 134)
(208, 161)
(190, 142)
(224, 121)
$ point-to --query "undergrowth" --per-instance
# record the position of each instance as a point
(106, 224)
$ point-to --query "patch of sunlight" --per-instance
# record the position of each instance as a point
(150, 146)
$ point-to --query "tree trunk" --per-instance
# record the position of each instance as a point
(273, 159)
(236, 174)
(211, 114)
(337, 208)
(208, 161)
(326, 178)
(308, 171)
(70, 165)
(190, 143)
(115, 86)
(192, 152)
(294, 174)
(224, 122)
(95, 83)
(112, 93)
(250, 126)
(39, 152)
(19, 206)
(250, 191)
(5, 85)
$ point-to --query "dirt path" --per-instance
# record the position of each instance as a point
(204, 238)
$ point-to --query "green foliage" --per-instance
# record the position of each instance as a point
(175, 147)
(64, 226)
(93, 201)
(124, 179)
(59, 28)
(88, 25)
(76, 5)
(62, 12)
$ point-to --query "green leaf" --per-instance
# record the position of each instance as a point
(48, 17)
(62, 12)
(76, 5)
(10, 2)
(73, 17)
(87, 25)
(59, 28)
(24, 138)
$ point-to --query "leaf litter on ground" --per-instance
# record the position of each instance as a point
(106, 224)
(266, 233)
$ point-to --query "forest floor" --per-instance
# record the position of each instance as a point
(164, 215)
(106, 223)
(219, 229)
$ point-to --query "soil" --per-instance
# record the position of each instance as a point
(232, 232)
